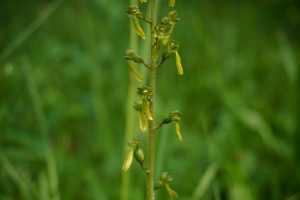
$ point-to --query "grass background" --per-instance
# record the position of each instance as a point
(64, 90)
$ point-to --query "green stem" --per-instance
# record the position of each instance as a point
(130, 113)
(151, 142)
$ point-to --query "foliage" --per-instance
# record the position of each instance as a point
(62, 79)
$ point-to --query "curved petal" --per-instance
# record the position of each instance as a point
(177, 127)
(138, 29)
(178, 63)
(145, 108)
(171, 192)
(128, 161)
(136, 73)
(143, 122)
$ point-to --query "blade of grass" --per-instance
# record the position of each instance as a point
(43, 126)
(29, 30)
(13, 173)
(206, 180)
(130, 112)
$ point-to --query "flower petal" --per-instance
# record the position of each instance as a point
(177, 127)
(138, 29)
(136, 73)
(171, 192)
(128, 161)
(178, 63)
(143, 122)
(145, 108)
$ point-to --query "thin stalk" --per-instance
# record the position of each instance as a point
(151, 142)
(130, 112)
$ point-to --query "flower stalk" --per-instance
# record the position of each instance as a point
(160, 36)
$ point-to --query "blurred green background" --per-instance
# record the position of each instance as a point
(66, 91)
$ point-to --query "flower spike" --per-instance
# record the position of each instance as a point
(143, 1)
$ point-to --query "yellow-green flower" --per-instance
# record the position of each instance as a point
(130, 56)
(171, 192)
(145, 94)
(143, 1)
(175, 117)
(132, 12)
(171, 19)
(173, 47)
(134, 150)
(166, 179)
(171, 3)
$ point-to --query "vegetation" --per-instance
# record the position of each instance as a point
(64, 92)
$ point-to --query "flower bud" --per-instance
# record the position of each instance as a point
(172, 17)
(158, 185)
(175, 116)
(138, 59)
(144, 92)
(139, 156)
(166, 178)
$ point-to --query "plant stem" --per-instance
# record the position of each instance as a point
(151, 142)
(130, 113)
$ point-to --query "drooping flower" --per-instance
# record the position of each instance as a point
(136, 152)
(171, 19)
(166, 179)
(132, 12)
(145, 94)
(160, 36)
(173, 47)
(175, 117)
(130, 56)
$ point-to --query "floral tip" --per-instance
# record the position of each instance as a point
(145, 109)
(171, 3)
(171, 192)
(143, 122)
(177, 127)
(138, 29)
(128, 161)
(136, 73)
(143, 1)
(178, 63)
